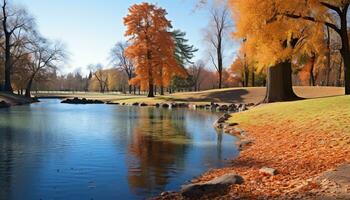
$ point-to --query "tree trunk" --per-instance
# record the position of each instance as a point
(220, 79)
(151, 90)
(162, 90)
(312, 66)
(345, 51)
(328, 65)
(253, 78)
(246, 77)
(29, 87)
(279, 83)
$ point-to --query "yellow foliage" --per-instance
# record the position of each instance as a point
(271, 36)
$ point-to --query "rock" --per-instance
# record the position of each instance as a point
(195, 191)
(76, 100)
(173, 105)
(111, 103)
(4, 104)
(268, 171)
(135, 104)
(243, 144)
(183, 105)
(232, 108)
(165, 105)
(143, 104)
(157, 105)
(223, 108)
(242, 107)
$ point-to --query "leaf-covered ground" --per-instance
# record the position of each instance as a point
(300, 139)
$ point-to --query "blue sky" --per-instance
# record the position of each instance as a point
(90, 28)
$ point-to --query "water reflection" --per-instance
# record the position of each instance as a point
(159, 144)
(55, 151)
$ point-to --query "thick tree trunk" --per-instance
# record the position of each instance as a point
(161, 90)
(151, 90)
(130, 89)
(345, 51)
(279, 83)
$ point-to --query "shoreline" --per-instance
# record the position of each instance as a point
(307, 165)
(8, 100)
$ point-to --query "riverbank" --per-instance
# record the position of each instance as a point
(228, 96)
(303, 141)
(8, 100)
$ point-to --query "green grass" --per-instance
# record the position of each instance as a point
(227, 95)
(322, 114)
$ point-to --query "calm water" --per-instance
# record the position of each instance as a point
(58, 151)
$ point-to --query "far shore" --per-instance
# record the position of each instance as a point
(226, 96)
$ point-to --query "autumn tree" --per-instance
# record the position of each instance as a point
(101, 77)
(273, 40)
(217, 30)
(151, 47)
(331, 13)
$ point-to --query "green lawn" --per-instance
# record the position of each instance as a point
(325, 114)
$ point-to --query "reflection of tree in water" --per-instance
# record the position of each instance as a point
(159, 145)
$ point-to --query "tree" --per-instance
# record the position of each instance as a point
(15, 23)
(183, 52)
(122, 62)
(152, 47)
(45, 56)
(273, 40)
(195, 72)
(101, 76)
(219, 25)
(320, 12)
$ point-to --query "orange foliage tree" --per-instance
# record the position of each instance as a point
(274, 40)
(151, 47)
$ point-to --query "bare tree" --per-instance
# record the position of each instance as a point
(195, 72)
(15, 22)
(218, 28)
(45, 56)
(122, 62)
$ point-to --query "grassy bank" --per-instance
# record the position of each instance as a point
(229, 95)
(14, 99)
(301, 140)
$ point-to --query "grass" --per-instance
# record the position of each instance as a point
(301, 140)
(228, 95)
(321, 114)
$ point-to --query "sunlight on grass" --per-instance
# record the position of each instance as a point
(319, 114)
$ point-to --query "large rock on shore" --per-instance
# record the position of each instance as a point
(222, 183)
(82, 101)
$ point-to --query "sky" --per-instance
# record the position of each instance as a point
(90, 28)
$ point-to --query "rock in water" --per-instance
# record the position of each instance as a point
(194, 191)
